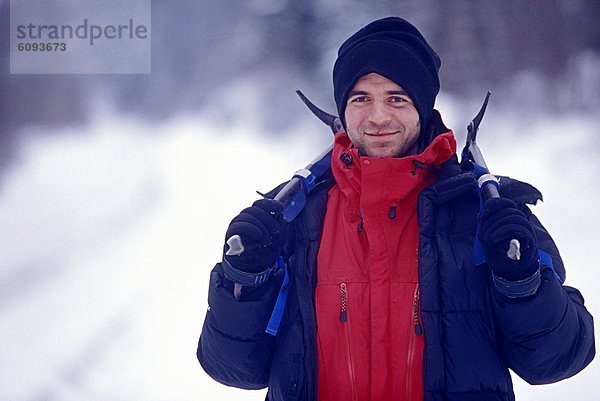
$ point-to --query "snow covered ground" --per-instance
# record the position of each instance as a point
(108, 236)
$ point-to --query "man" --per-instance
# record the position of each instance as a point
(385, 300)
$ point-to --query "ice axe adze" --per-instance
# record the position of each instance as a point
(487, 182)
(330, 120)
(293, 194)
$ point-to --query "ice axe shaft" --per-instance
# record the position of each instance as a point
(487, 182)
(286, 196)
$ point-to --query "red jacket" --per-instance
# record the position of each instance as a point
(367, 299)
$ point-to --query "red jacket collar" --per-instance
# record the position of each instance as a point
(370, 181)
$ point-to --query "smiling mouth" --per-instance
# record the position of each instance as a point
(381, 134)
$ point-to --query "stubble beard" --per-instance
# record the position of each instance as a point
(409, 148)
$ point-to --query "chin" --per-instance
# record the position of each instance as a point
(382, 154)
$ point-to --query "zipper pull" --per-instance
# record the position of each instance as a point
(418, 328)
(343, 294)
(360, 223)
(417, 164)
(392, 213)
(346, 158)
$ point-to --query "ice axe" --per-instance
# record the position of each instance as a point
(486, 181)
(293, 194)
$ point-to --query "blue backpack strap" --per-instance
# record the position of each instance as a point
(277, 314)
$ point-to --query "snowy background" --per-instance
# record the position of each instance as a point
(112, 217)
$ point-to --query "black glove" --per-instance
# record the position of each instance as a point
(262, 230)
(500, 222)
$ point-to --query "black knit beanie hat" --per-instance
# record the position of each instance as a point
(394, 48)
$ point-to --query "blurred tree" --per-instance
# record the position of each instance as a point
(32, 99)
(492, 40)
(201, 48)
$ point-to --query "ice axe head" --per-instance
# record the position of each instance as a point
(332, 121)
(472, 130)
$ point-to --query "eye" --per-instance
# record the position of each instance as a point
(399, 99)
(358, 99)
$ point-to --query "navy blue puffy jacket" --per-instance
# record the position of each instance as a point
(473, 334)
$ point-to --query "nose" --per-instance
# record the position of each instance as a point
(379, 114)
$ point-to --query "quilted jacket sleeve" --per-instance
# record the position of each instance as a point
(548, 336)
(234, 348)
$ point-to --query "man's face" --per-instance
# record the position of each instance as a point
(381, 119)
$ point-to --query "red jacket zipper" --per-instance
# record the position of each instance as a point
(412, 345)
(344, 320)
(418, 329)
